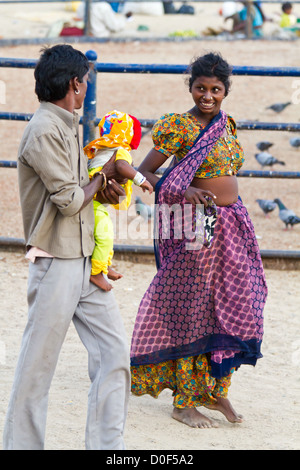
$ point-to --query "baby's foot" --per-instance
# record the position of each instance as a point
(101, 282)
(192, 418)
(113, 275)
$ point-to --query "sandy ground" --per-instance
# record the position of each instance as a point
(268, 395)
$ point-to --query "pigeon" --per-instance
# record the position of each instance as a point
(264, 145)
(144, 210)
(278, 107)
(295, 142)
(287, 216)
(266, 159)
(266, 205)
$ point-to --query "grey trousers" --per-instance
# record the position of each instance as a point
(59, 291)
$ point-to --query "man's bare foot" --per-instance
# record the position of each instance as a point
(192, 418)
(113, 275)
(101, 282)
(224, 406)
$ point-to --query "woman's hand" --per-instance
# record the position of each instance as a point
(197, 195)
(112, 194)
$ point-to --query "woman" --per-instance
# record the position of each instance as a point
(202, 315)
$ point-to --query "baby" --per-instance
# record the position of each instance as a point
(119, 133)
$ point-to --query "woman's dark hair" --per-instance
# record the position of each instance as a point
(210, 65)
(56, 67)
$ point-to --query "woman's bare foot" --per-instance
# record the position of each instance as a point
(224, 406)
(192, 418)
(113, 275)
(101, 282)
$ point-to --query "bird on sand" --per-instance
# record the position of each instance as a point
(287, 216)
(266, 205)
(266, 159)
(278, 107)
(143, 209)
(295, 142)
(264, 145)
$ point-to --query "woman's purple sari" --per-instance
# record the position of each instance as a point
(205, 298)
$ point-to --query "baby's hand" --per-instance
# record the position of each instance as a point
(147, 186)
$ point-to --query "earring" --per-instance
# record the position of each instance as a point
(77, 92)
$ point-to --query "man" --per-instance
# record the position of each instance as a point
(56, 195)
(239, 11)
(103, 19)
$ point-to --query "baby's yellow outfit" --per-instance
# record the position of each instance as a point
(117, 134)
(103, 229)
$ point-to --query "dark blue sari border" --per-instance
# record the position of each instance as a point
(247, 353)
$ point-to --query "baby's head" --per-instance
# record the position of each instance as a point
(118, 129)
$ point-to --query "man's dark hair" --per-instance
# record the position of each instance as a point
(210, 65)
(56, 67)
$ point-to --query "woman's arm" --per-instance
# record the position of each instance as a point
(150, 164)
(155, 160)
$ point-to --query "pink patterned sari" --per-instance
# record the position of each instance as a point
(205, 298)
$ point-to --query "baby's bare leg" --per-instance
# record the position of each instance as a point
(113, 275)
(100, 281)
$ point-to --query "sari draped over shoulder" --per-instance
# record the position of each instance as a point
(205, 297)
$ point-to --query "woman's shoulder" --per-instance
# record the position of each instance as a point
(170, 117)
(172, 121)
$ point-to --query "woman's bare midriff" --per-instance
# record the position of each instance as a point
(224, 187)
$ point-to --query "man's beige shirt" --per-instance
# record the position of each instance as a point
(52, 170)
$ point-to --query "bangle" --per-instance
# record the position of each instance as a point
(104, 180)
(138, 179)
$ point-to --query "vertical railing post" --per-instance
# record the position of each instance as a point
(90, 102)
(249, 30)
(87, 18)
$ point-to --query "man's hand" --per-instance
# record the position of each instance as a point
(112, 194)
(109, 168)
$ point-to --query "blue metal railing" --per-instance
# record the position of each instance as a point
(158, 68)
(89, 119)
